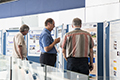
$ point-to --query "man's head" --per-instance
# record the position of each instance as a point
(49, 24)
(24, 29)
(76, 23)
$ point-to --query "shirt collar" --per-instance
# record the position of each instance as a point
(77, 29)
(47, 30)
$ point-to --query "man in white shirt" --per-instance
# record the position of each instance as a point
(20, 48)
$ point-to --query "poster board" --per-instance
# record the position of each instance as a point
(33, 43)
(114, 50)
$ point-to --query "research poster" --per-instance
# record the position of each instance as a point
(9, 42)
(114, 50)
(92, 29)
(60, 59)
(33, 43)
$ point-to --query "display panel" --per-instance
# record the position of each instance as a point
(33, 43)
(59, 63)
(114, 50)
(9, 42)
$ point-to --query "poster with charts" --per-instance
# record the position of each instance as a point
(9, 42)
(33, 43)
(114, 51)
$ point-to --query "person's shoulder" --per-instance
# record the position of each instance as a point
(71, 32)
(18, 34)
(43, 34)
(85, 32)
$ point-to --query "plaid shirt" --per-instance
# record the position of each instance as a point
(77, 43)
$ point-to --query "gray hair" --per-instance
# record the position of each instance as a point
(24, 28)
(76, 22)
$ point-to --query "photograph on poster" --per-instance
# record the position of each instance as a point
(93, 34)
(32, 47)
(115, 73)
(118, 53)
(32, 37)
(37, 36)
(115, 46)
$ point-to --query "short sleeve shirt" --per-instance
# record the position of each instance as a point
(77, 43)
(45, 40)
(19, 40)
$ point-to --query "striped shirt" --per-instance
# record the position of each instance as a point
(77, 43)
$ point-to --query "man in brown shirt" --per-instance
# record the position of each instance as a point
(20, 48)
(78, 44)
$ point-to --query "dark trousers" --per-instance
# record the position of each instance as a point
(79, 65)
(48, 59)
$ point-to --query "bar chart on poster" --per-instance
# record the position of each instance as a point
(33, 43)
(92, 29)
(114, 51)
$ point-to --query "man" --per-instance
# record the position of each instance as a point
(20, 48)
(48, 51)
(78, 44)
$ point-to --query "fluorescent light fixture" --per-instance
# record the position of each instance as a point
(6, 1)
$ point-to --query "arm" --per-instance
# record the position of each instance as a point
(52, 45)
(64, 53)
(91, 59)
(20, 51)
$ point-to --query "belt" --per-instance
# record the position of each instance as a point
(48, 53)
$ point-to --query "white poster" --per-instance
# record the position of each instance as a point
(33, 43)
(9, 42)
(60, 59)
(114, 51)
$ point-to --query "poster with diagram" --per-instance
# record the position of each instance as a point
(114, 51)
(33, 43)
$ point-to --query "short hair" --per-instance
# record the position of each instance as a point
(76, 22)
(24, 27)
(49, 20)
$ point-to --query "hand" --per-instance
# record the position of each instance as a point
(26, 58)
(21, 58)
(91, 67)
(57, 40)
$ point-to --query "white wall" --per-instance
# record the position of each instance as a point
(102, 13)
(67, 16)
(100, 2)
(10, 22)
(44, 16)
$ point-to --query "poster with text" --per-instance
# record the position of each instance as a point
(33, 43)
(114, 51)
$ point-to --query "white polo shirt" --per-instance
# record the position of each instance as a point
(19, 40)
